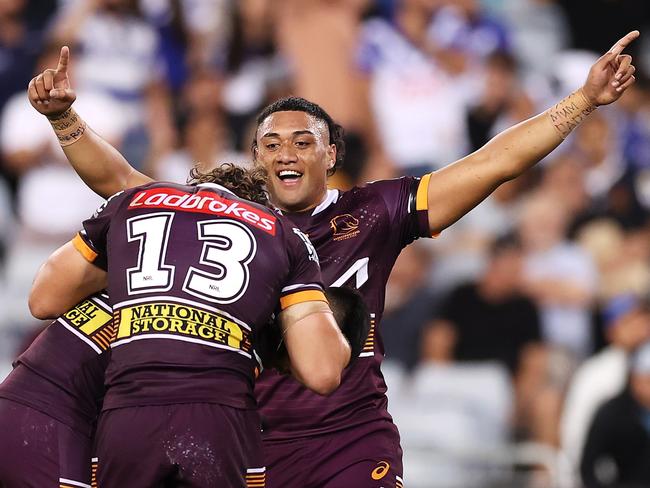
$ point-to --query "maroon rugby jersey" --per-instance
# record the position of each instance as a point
(194, 271)
(358, 235)
(62, 372)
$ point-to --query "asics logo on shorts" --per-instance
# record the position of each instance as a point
(380, 471)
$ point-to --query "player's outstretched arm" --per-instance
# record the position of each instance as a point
(318, 351)
(456, 189)
(99, 164)
(62, 281)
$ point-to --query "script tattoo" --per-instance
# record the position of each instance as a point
(569, 113)
(67, 139)
(64, 121)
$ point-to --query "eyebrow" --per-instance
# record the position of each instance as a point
(295, 133)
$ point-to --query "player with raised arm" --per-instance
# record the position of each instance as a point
(348, 438)
(193, 271)
(50, 401)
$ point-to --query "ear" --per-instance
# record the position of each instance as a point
(331, 154)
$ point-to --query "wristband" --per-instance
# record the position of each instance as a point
(68, 127)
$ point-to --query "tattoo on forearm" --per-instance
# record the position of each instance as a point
(569, 113)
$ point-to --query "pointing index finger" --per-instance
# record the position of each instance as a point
(622, 43)
(64, 58)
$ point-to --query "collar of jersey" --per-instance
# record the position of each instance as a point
(216, 187)
(331, 197)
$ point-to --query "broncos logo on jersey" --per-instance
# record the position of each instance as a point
(344, 226)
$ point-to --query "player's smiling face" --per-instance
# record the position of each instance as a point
(295, 150)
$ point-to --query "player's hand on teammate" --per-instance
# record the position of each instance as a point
(612, 74)
(50, 92)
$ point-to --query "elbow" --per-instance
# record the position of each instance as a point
(326, 385)
(41, 308)
(324, 381)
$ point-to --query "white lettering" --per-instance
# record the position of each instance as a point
(136, 200)
(156, 199)
(175, 200)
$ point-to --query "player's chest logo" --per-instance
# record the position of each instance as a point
(344, 226)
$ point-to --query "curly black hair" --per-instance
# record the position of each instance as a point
(298, 104)
(249, 184)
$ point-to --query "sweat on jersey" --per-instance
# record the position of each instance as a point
(194, 271)
(61, 374)
(358, 235)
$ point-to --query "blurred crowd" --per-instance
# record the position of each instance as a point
(517, 341)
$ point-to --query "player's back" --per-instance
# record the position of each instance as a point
(193, 272)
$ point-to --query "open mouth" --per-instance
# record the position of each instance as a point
(289, 175)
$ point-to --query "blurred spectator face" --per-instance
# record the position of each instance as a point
(631, 326)
(504, 271)
(640, 375)
(11, 7)
(438, 342)
(542, 222)
(500, 77)
(295, 150)
(202, 93)
(255, 13)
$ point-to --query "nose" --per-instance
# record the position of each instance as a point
(287, 153)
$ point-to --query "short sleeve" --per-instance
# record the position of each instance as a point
(407, 203)
(91, 240)
(304, 282)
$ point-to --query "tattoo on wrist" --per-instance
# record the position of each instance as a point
(71, 137)
(65, 121)
(68, 127)
(570, 112)
(60, 116)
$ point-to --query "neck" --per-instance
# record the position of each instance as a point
(300, 206)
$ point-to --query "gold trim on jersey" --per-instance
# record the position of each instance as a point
(180, 321)
(86, 251)
(422, 196)
(256, 478)
(90, 321)
(93, 473)
(302, 296)
(369, 346)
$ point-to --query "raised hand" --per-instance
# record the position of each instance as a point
(50, 92)
(612, 74)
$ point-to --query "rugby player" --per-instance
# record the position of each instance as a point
(193, 272)
(348, 438)
(50, 401)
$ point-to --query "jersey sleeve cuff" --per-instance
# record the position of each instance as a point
(84, 249)
(422, 207)
(302, 296)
